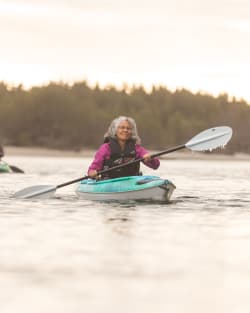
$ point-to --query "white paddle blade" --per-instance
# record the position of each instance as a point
(210, 139)
(38, 192)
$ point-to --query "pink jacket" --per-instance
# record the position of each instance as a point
(104, 153)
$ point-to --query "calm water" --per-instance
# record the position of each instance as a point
(65, 255)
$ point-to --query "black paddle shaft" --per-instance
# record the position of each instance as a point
(122, 165)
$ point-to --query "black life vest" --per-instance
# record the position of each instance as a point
(117, 157)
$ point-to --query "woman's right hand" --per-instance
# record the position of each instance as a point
(93, 173)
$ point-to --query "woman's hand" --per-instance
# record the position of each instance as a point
(147, 157)
(93, 173)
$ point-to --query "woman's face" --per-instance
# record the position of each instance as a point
(124, 131)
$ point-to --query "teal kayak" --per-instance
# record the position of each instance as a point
(4, 167)
(138, 188)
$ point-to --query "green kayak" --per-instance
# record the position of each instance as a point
(4, 167)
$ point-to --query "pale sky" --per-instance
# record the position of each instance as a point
(200, 45)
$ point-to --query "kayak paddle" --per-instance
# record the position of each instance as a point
(206, 140)
(16, 169)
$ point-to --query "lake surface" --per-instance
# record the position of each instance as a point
(65, 255)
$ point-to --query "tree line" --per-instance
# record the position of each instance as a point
(63, 116)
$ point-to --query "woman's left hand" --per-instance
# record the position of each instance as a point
(147, 157)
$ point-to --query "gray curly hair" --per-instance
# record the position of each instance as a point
(111, 132)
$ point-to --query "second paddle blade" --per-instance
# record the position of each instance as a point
(37, 192)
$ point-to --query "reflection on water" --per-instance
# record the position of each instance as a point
(70, 255)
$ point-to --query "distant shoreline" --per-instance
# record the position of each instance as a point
(181, 155)
(38, 151)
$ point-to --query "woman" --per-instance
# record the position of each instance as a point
(4, 167)
(1, 152)
(121, 145)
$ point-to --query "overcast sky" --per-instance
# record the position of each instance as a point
(201, 45)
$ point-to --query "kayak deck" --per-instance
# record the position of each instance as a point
(144, 188)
